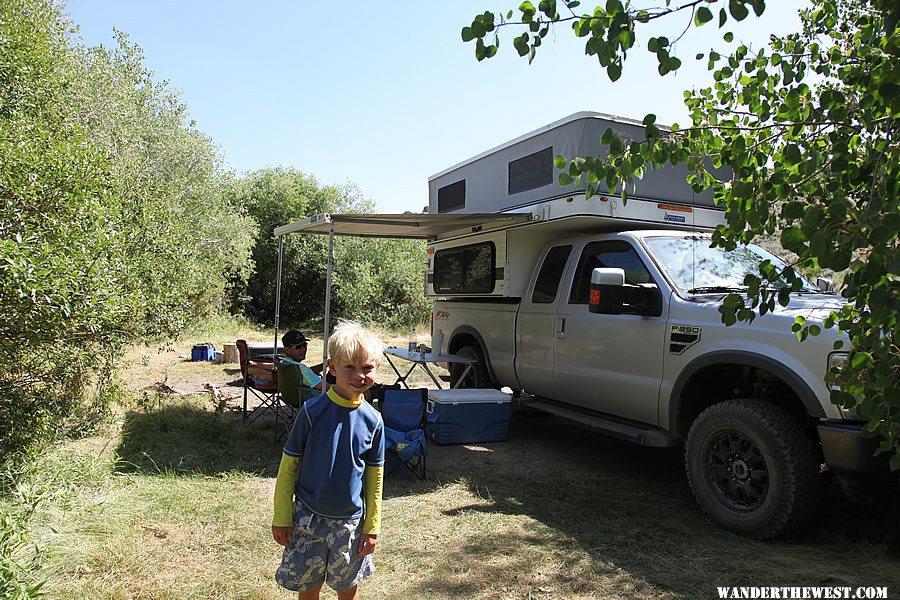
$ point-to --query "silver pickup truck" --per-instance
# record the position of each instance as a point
(656, 365)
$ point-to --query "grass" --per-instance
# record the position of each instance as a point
(174, 501)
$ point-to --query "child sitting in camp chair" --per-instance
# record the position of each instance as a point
(295, 346)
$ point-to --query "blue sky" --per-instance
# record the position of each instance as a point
(384, 95)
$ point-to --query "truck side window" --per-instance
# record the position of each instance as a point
(551, 272)
(616, 254)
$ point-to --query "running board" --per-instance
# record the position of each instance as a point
(645, 436)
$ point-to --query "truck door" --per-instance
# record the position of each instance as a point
(608, 363)
(534, 327)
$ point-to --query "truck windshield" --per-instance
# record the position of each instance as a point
(694, 267)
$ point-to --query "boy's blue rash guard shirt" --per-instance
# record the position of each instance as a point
(335, 443)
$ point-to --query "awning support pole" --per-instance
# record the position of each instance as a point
(327, 305)
(277, 299)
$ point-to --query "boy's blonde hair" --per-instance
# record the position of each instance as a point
(351, 342)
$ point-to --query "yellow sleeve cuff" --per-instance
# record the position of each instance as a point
(284, 490)
(373, 481)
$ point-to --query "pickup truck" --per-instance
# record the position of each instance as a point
(747, 402)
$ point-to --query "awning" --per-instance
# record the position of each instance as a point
(408, 226)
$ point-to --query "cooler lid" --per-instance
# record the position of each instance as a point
(469, 396)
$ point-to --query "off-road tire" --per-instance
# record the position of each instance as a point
(478, 377)
(752, 469)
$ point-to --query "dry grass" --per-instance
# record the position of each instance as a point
(175, 503)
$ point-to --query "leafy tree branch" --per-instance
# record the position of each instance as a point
(807, 130)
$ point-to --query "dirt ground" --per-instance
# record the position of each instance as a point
(538, 442)
(557, 511)
(169, 370)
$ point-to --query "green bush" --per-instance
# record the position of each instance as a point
(20, 557)
(376, 280)
(113, 224)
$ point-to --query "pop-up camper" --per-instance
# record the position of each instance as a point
(520, 177)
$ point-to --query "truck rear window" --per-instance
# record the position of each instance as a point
(465, 270)
(551, 272)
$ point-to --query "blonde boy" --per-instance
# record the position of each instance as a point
(328, 491)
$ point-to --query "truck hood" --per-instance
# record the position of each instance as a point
(809, 305)
(814, 306)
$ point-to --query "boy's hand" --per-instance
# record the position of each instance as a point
(282, 535)
(367, 543)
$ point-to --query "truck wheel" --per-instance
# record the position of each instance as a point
(477, 377)
(752, 469)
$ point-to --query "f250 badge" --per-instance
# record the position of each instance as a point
(682, 337)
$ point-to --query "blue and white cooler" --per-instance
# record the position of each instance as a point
(468, 416)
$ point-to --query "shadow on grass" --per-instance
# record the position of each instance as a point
(623, 522)
(184, 438)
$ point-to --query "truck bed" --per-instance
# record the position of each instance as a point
(493, 322)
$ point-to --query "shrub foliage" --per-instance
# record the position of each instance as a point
(809, 128)
(112, 222)
(375, 280)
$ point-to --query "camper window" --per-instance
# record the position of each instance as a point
(465, 269)
(532, 171)
(617, 255)
(452, 197)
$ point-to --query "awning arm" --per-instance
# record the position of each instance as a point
(330, 268)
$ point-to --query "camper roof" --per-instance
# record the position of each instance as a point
(584, 114)
(521, 173)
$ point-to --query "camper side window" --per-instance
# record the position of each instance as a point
(607, 254)
(465, 270)
(452, 197)
(530, 172)
(551, 272)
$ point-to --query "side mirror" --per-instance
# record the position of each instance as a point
(610, 295)
(824, 285)
(607, 291)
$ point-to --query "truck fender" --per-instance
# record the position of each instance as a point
(794, 381)
(468, 330)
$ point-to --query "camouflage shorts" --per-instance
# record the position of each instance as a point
(322, 550)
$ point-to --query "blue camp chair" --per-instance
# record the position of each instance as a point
(403, 412)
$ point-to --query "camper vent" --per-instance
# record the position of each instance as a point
(452, 197)
(532, 171)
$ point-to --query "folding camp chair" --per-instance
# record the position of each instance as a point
(291, 396)
(288, 401)
(403, 412)
(260, 379)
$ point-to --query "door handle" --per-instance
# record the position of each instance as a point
(560, 327)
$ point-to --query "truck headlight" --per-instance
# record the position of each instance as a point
(836, 362)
